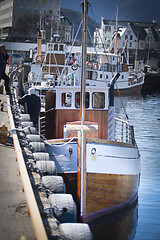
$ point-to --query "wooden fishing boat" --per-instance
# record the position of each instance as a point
(95, 153)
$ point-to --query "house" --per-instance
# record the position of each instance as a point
(134, 38)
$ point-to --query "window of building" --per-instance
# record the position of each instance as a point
(100, 75)
(130, 44)
(66, 99)
(122, 76)
(98, 100)
(131, 37)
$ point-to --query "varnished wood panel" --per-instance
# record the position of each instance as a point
(103, 190)
(55, 59)
(99, 116)
(106, 190)
(50, 130)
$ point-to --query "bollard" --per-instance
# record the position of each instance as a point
(3, 134)
(1, 89)
(2, 105)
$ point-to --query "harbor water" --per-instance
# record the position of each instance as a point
(142, 221)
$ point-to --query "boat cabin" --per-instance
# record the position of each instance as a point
(66, 117)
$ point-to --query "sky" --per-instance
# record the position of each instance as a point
(132, 10)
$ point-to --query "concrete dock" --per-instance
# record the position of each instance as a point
(14, 219)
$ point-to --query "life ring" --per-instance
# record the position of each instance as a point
(39, 58)
(71, 60)
(89, 65)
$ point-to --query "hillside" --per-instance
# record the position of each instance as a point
(129, 10)
(74, 18)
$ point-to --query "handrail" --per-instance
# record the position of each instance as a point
(124, 132)
(121, 120)
(38, 227)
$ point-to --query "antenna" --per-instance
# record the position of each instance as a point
(115, 50)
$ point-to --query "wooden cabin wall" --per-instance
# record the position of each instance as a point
(98, 116)
(101, 117)
(63, 116)
(60, 58)
(50, 130)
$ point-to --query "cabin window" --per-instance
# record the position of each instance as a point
(91, 75)
(100, 75)
(61, 47)
(66, 99)
(55, 46)
(122, 76)
(98, 100)
(37, 92)
(106, 76)
(77, 100)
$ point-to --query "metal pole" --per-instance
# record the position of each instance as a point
(83, 67)
(82, 100)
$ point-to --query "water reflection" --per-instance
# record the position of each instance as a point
(121, 226)
(142, 222)
(144, 114)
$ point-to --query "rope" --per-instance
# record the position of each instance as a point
(55, 144)
(98, 58)
(71, 49)
(51, 109)
(15, 129)
(98, 30)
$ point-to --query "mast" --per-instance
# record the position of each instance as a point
(57, 21)
(81, 184)
(84, 50)
(115, 50)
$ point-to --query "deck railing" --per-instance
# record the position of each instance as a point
(42, 125)
(124, 132)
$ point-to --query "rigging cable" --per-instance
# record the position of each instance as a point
(98, 57)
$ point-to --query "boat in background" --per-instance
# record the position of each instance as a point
(96, 154)
(57, 68)
(60, 67)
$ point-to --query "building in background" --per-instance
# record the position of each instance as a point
(137, 40)
(19, 19)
